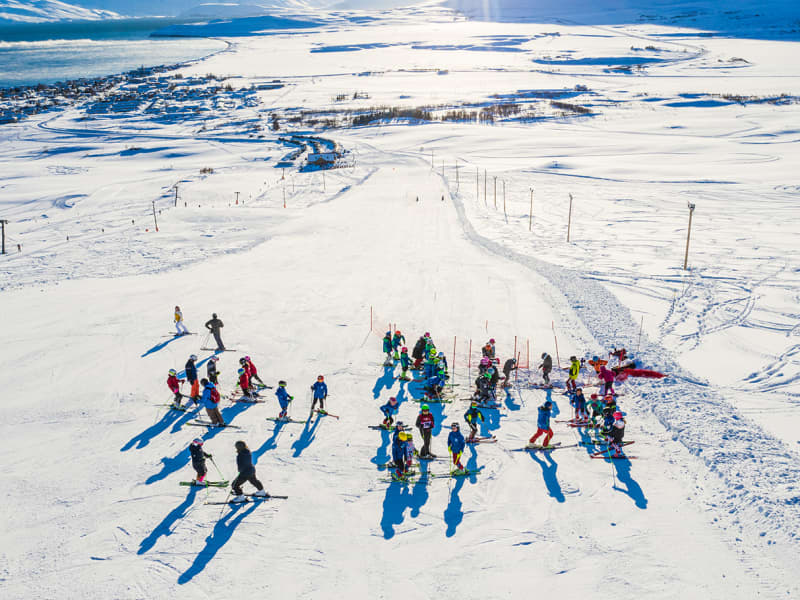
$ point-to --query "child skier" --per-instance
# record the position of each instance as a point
(211, 369)
(191, 377)
(435, 385)
(387, 349)
(546, 367)
(442, 363)
(579, 403)
(244, 383)
(543, 424)
(617, 433)
(247, 472)
(399, 456)
(574, 371)
(397, 341)
(597, 405)
(320, 389)
(405, 364)
(283, 399)
(472, 416)
(607, 378)
(389, 409)
(174, 386)
(253, 371)
(456, 444)
(425, 423)
(418, 353)
(180, 327)
(199, 459)
(211, 403)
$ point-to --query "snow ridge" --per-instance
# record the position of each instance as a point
(758, 470)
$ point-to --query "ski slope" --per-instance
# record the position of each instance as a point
(708, 507)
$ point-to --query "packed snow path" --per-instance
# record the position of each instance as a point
(94, 504)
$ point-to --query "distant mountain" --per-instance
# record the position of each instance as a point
(172, 8)
(44, 11)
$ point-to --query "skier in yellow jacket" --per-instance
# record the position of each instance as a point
(179, 325)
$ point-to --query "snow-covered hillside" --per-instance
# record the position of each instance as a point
(41, 11)
(466, 152)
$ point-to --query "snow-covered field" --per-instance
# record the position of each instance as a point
(634, 120)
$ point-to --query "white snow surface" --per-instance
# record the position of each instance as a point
(295, 269)
(41, 11)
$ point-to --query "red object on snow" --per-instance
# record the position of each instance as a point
(646, 373)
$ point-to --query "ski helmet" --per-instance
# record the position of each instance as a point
(544, 354)
(573, 359)
(441, 355)
(473, 403)
(247, 358)
(213, 315)
(485, 361)
(173, 372)
(393, 400)
(579, 390)
(548, 404)
(320, 378)
(197, 441)
(427, 335)
(282, 383)
(193, 357)
(617, 415)
(240, 371)
(433, 352)
(240, 445)
(388, 334)
(399, 425)
(404, 350)
(424, 407)
(403, 436)
(595, 358)
(454, 426)
(398, 332)
(491, 341)
(487, 375)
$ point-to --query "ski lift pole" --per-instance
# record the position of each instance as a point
(558, 360)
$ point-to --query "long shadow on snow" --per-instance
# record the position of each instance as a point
(170, 417)
(384, 381)
(454, 513)
(382, 453)
(160, 346)
(549, 468)
(164, 528)
(182, 458)
(623, 468)
(306, 436)
(223, 531)
(270, 443)
(510, 402)
(398, 498)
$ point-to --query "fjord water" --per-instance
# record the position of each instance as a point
(50, 52)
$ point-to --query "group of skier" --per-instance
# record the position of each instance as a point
(213, 325)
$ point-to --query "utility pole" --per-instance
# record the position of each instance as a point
(176, 195)
(237, 197)
(3, 227)
(530, 214)
(688, 234)
(569, 219)
(154, 215)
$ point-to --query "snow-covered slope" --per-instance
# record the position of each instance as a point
(43, 11)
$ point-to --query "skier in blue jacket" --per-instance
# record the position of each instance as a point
(543, 424)
(320, 389)
(389, 409)
(472, 416)
(283, 399)
(399, 455)
(456, 444)
(405, 364)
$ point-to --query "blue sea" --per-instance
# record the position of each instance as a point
(46, 53)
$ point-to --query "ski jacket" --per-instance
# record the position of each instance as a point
(547, 363)
(214, 325)
(191, 371)
(244, 462)
(618, 431)
(574, 369)
(405, 362)
(388, 409)
(283, 396)
(606, 374)
(178, 316)
(198, 456)
(456, 442)
(211, 369)
(598, 364)
(473, 415)
(208, 397)
(435, 381)
(387, 344)
(579, 400)
(543, 422)
(247, 370)
(244, 381)
(509, 366)
(173, 384)
(495, 377)
(419, 348)
(487, 352)
(320, 390)
(397, 341)
(398, 451)
(425, 422)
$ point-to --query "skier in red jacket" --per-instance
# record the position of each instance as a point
(425, 423)
(174, 386)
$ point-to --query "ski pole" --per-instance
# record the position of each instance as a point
(221, 476)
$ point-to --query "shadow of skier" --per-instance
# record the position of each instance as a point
(623, 470)
(164, 528)
(170, 417)
(306, 436)
(549, 468)
(384, 381)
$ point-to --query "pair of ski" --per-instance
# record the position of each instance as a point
(195, 483)
(251, 498)
(419, 477)
(426, 400)
(555, 446)
(607, 453)
(382, 427)
(210, 425)
(490, 439)
(179, 334)
(494, 406)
